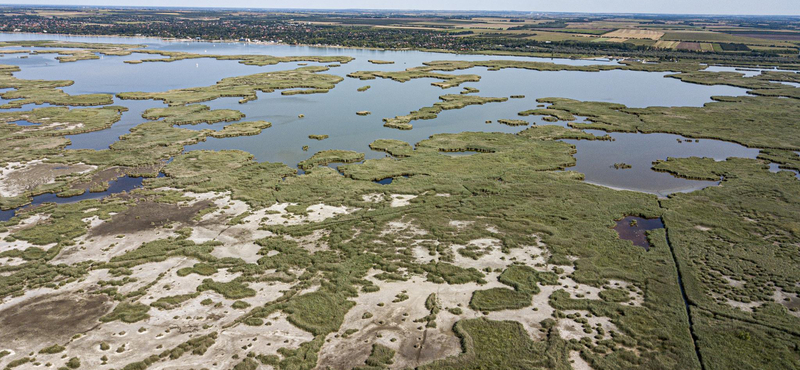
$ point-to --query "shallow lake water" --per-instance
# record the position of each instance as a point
(596, 160)
(774, 167)
(334, 113)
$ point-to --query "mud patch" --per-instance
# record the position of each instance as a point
(147, 215)
(53, 318)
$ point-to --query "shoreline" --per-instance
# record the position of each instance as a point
(321, 46)
(604, 58)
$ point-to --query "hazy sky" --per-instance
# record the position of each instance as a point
(772, 7)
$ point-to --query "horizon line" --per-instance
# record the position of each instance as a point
(393, 10)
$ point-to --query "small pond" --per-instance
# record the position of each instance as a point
(635, 229)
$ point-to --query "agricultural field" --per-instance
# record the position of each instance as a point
(209, 208)
(634, 34)
(504, 32)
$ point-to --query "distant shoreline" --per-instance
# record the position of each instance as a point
(321, 46)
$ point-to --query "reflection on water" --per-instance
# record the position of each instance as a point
(635, 229)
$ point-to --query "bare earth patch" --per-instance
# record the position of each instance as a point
(400, 200)
(415, 345)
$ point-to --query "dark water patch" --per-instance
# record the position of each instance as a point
(6, 215)
(389, 180)
(122, 184)
(635, 229)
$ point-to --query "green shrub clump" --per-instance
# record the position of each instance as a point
(127, 312)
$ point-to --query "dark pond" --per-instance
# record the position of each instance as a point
(635, 229)
(388, 180)
(125, 183)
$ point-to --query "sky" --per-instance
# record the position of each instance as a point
(735, 7)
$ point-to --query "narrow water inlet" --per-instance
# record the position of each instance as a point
(23, 123)
(125, 183)
(635, 229)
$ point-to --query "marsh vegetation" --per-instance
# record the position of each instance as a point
(400, 254)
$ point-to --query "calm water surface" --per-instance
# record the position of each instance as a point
(119, 185)
(333, 113)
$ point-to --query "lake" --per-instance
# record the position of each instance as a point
(334, 113)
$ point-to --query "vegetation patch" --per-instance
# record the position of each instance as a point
(451, 101)
(380, 358)
(203, 269)
(319, 312)
(525, 278)
(230, 290)
(709, 121)
(513, 122)
(331, 156)
(307, 78)
(52, 349)
(171, 302)
(502, 344)
(127, 312)
(241, 129)
(396, 148)
(496, 299)
(192, 114)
